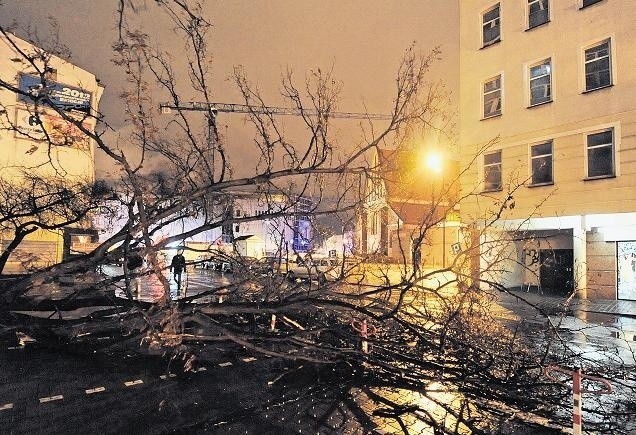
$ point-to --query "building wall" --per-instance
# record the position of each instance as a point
(19, 152)
(601, 256)
(567, 120)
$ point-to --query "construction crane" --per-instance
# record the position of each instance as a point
(167, 108)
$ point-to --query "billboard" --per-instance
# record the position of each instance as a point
(50, 126)
(60, 95)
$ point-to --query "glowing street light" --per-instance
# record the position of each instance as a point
(434, 162)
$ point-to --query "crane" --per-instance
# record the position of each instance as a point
(167, 108)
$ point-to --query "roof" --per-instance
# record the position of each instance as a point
(416, 214)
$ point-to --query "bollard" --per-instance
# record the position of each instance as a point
(577, 391)
(272, 323)
(365, 330)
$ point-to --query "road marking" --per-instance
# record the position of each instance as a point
(14, 348)
(249, 359)
(95, 390)
(6, 406)
(51, 398)
(200, 369)
(131, 383)
(171, 375)
(225, 364)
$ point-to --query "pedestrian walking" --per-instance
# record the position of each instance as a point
(178, 266)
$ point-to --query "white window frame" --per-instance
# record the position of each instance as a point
(485, 167)
(584, 62)
(530, 3)
(541, 156)
(483, 24)
(614, 146)
(530, 79)
(484, 93)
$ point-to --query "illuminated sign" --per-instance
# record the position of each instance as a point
(59, 95)
(45, 127)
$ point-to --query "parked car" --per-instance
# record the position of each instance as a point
(319, 269)
(270, 265)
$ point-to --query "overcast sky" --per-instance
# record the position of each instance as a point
(362, 40)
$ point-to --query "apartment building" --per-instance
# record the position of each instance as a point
(548, 108)
(36, 140)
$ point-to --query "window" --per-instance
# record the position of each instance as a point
(541, 82)
(491, 28)
(600, 154)
(541, 163)
(598, 72)
(492, 171)
(538, 12)
(492, 97)
(586, 3)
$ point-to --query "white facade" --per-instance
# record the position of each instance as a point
(548, 103)
(36, 140)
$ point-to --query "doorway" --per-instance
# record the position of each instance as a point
(556, 271)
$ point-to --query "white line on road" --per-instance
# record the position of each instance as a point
(172, 375)
(6, 406)
(95, 390)
(14, 348)
(225, 364)
(249, 359)
(131, 383)
(200, 369)
(51, 398)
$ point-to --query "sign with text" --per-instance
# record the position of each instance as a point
(60, 95)
(45, 127)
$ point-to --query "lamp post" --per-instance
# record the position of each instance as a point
(435, 163)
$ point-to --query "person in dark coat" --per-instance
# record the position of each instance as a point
(178, 266)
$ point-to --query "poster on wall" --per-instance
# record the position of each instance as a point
(60, 95)
(626, 270)
(48, 126)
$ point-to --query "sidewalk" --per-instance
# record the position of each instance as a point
(550, 303)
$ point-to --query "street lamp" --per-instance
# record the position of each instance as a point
(435, 163)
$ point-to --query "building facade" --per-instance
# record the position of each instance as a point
(35, 140)
(408, 209)
(548, 130)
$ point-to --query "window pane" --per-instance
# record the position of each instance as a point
(491, 158)
(492, 97)
(538, 12)
(540, 83)
(492, 171)
(589, 2)
(598, 67)
(492, 179)
(492, 85)
(491, 26)
(540, 70)
(602, 138)
(542, 170)
(492, 105)
(600, 162)
(600, 154)
(542, 149)
(491, 14)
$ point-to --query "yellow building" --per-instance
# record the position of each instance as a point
(553, 81)
(36, 141)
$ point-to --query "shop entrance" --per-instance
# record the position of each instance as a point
(556, 273)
